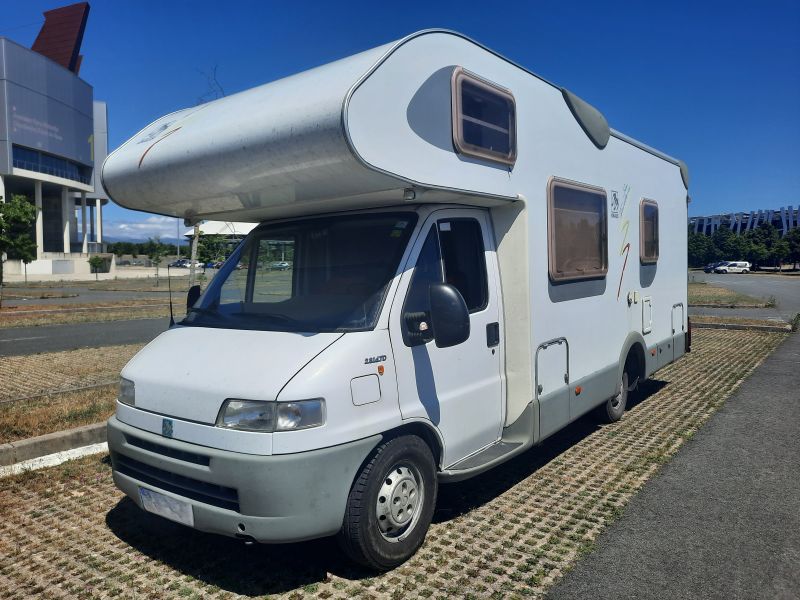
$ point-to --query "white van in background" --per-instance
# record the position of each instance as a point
(733, 267)
(473, 261)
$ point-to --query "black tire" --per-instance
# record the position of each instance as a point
(393, 463)
(613, 409)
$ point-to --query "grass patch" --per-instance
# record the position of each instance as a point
(29, 418)
(735, 321)
(61, 314)
(179, 283)
(702, 293)
(23, 294)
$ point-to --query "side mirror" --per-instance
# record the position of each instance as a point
(449, 315)
(192, 296)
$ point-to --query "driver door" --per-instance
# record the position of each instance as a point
(458, 389)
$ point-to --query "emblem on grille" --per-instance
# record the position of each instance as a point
(166, 427)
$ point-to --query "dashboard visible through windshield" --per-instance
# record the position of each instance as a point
(312, 275)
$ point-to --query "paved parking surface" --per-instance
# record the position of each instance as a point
(784, 289)
(722, 520)
(67, 532)
(17, 341)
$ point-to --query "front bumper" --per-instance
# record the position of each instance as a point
(279, 498)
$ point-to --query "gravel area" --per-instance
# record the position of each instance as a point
(67, 532)
(37, 374)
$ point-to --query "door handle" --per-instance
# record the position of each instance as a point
(492, 334)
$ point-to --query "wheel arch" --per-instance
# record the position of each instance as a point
(633, 352)
(427, 432)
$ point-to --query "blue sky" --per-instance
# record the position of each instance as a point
(716, 84)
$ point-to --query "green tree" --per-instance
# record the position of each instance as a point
(16, 217)
(779, 252)
(211, 248)
(96, 263)
(701, 249)
(155, 251)
(793, 239)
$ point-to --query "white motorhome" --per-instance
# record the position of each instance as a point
(474, 261)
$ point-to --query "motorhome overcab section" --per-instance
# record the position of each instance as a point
(455, 260)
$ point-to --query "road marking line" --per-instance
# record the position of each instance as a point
(38, 337)
(51, 460)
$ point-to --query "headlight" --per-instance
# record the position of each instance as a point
(257, 415)
(248, 415)
(127, 392)
(300, 415)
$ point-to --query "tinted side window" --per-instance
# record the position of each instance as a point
(577, 231)
(648, 231)
(464, 261)
(416, 310)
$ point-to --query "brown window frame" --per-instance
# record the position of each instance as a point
(561, 277)
(462, 147)
(648, 260)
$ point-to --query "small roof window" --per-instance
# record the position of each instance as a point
(484, 119)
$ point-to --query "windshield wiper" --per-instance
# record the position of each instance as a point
(275, 316)
(204, 311)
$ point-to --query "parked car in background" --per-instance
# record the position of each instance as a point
(733, 267)
(179, 264)
(279, 266)
(709, 268)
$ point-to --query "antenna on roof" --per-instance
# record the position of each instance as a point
(169, 287)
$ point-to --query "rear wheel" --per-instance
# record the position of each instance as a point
(391, 504)
(613, 408)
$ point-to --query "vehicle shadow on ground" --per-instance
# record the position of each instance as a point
(459, 498)
(257, 569)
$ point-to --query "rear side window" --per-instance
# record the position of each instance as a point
(577, 230)
(484, 119)
(648, 232)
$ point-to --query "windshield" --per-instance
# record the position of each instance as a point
(314, 275)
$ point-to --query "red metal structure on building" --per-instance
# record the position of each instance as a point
(61, 35)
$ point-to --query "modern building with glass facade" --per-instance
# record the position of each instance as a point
(784, 219)
(52, 134)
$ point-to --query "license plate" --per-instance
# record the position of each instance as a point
(167, 507)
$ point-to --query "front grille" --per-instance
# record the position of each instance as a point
(208, 493)
(191, 457)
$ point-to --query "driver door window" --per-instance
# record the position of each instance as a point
(453, 253)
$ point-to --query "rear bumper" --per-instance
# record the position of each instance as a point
(279, 498)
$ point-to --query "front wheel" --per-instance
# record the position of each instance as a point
(391, 504)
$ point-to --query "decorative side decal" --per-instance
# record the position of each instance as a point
(625, 247)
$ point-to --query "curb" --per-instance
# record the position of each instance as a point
(51, 443)
(738, 326)
(708, 305)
